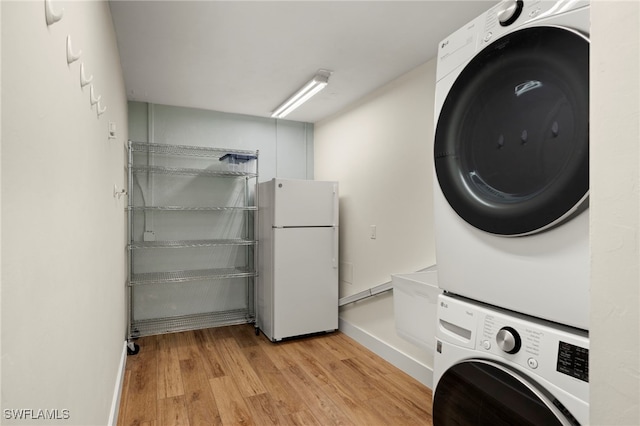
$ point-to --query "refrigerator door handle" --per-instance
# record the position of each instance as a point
(335, 204)
(334, 257)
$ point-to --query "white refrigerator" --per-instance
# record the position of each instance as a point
(297, 291)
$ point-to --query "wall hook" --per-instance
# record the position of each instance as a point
(72, 57)
(92, 96)
(119, 193)
(84, 80)
(101, 110)
(51, 16)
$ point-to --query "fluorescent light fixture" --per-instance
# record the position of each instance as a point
(319, 82)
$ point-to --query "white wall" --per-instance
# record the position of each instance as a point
(0, 203)
(380, 151)
(615, 213)
(63, 232)
(286, 147)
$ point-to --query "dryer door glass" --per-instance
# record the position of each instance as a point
(512, 141)
(480, 392)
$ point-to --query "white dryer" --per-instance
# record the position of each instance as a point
(511, 155)
(495, 367)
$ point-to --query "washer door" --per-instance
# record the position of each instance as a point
(512, 140)
(480, 392)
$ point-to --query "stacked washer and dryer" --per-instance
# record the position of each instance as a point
(511, 157)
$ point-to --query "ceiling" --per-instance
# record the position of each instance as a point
(247, 57)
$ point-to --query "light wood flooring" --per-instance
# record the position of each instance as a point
(230, 376)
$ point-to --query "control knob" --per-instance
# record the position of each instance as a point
(509, 11)
(508, 340)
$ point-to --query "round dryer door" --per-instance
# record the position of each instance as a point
(512, 140)
(481, 392)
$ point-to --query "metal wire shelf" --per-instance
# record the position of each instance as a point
(185, 150)
(233, 166)
(154, 326)
(190, 171)
(192, 275)
(184, 208)
(190, 243)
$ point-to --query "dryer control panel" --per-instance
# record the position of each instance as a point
(545, 349)
(463, 44)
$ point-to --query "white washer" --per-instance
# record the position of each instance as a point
(511, 157)
(496, 367)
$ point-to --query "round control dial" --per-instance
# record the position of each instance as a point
(509, 11)
(508, 340)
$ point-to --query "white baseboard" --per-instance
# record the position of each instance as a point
(416, 369)
(117, 392)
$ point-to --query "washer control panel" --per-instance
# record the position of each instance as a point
(548, 350)
(510, 338)
(530, 343)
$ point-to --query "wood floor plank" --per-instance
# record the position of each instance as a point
(361, 384)
(232, 407)
(340, 377)
(337, 346)
(201, 405)
(186, 344)
(393, 414)
(141, 404)
(230, 376)
(169, 377)
(283, 394)
(241, 370)
(416, 405)
(245, 335)
(350, 405)
(320, 405)
(264, 408)
(301, 356)
(321, 349)
(340, 393)
(259, 360)
(213, 361)
(172, 411)
(408, 386)
(222, 332)
(277, 351)
(318, 357)
(303, 418)
(286, 397)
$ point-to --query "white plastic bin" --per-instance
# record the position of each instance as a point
(415, 298)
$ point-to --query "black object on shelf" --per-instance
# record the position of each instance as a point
(237, 158)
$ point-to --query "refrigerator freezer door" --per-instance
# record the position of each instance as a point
(305, 203)
(305, 292)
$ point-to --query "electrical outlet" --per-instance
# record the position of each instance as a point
(373, 232)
